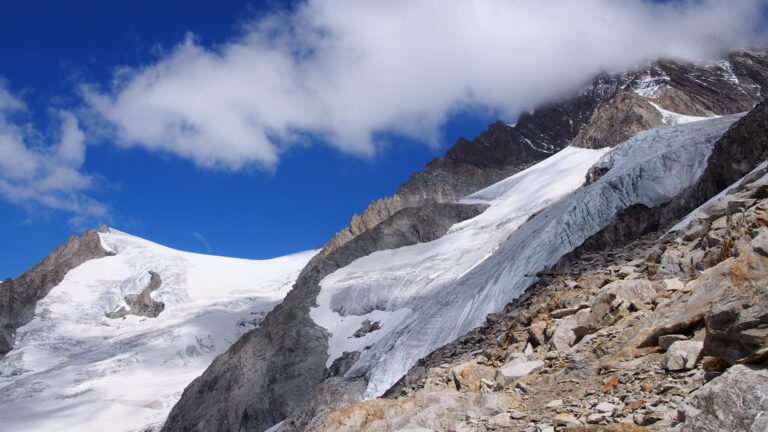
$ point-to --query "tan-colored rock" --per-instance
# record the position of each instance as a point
(610, 383)
(565, 419)
(536, 333)
(467, 375)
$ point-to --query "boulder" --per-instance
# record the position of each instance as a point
(468, 375)
(682, 355)
(667, 340)
(565, 419)
(565, 334)
(536, 333)
(510, 372)
(734, 401)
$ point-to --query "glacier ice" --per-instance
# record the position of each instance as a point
(73, 369)
(429, 294)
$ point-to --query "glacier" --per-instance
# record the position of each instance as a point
(426, 295)
(74, 369)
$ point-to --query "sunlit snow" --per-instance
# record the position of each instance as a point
(74, 369)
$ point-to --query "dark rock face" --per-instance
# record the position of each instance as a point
(142, 304)
(271, 371)
(19, 296)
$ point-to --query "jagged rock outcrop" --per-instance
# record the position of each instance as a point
(269, 373)
(142, 304)
(618, 120)
(19, 296)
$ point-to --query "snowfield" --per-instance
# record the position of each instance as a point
(429, 294)
(74, 369)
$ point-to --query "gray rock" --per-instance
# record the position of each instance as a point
(682, 355)
(367, 327)
(666, 341)
(142, 304)
(510, 372)
(734, 401)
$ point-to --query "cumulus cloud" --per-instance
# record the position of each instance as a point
(344, 71)
(36, 175)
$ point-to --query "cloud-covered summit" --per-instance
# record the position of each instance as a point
(345, 70)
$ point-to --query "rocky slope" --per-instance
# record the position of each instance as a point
(664, 333)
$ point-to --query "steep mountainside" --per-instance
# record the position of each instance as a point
(119, 336)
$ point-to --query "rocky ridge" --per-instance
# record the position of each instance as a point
(19, 296)
(610, 110)
(660, 334)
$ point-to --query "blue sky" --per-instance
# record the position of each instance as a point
(256, 129)
(249, 214)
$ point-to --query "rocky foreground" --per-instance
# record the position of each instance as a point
(667, 333)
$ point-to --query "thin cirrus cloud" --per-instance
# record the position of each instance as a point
(342, 71)
(36, 175)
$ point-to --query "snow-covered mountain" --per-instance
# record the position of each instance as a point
(109, 335)
(379, 296)
(87, 362)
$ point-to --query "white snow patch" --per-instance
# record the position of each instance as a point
(73, 369)
(673, 119)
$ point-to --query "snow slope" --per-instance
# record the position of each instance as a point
(74, 369)
(428, 294)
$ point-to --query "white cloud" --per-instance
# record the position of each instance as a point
(344, 70)
(36, 175)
